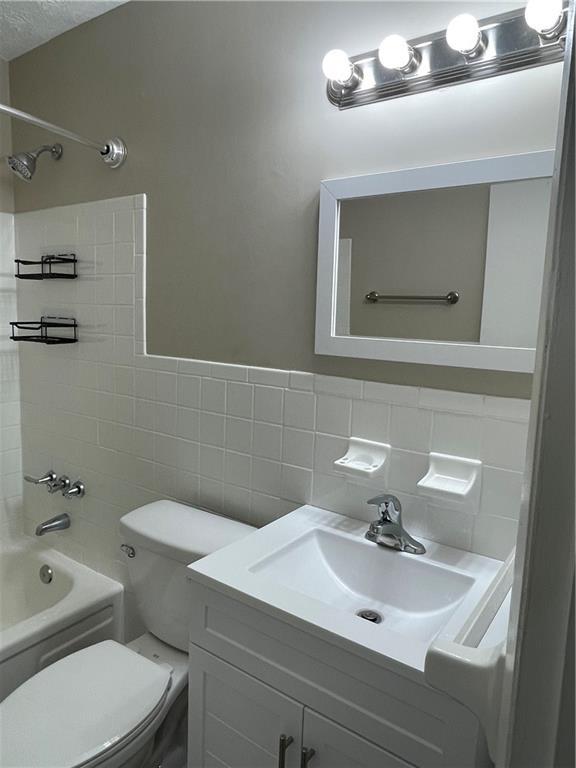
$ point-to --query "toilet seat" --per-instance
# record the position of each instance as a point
(82, 709)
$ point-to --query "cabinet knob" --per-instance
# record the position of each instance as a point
(306, 755)
(285, 742)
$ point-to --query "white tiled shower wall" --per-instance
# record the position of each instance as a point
(252, 443)
(10, 439)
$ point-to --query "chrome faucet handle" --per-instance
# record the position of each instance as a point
(59, 484)
(385, 498)
(389, 507)
(76, 490)
(48, 478)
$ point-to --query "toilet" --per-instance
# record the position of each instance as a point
(112, 705)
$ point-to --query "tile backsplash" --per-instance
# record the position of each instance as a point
(10, 437)
(251, 443)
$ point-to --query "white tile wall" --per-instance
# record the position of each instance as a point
(249, 442)
(10, 435)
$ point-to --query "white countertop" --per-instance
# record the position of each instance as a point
(236, 571)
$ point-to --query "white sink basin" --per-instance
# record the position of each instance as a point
(314, 569)
(412, 595)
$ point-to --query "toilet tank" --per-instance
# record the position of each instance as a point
(159, 540)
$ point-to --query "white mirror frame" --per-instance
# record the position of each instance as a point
(532, 165)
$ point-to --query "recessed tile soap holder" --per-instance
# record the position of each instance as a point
(364, 458)
(451, 478)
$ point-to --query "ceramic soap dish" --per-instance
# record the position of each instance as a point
(364, 458)
(451, 478)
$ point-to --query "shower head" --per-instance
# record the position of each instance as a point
(23, 164)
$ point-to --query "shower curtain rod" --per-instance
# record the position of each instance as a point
(113, 150)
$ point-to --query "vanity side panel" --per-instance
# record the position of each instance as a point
(405, 717)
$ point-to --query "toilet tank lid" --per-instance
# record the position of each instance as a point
(180, 532)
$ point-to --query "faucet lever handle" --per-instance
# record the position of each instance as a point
(48, 478)
(378, 500)
(389, 507)
(385, 498)
(60, 484)
(77, 490)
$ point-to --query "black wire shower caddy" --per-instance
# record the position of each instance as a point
(38, 331)
(48, 268)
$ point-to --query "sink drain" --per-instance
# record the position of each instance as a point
(46, 574)
(370, 615)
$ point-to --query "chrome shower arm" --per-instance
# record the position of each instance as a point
(54, 149)
(113, 151)
(101, 146)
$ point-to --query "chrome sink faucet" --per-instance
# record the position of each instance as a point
(388, 530)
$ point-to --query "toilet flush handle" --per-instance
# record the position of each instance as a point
(128, 550)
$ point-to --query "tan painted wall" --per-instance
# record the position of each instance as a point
(418, 243)
(223, 109)
(6, 187)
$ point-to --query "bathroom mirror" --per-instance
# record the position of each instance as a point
(437, 265)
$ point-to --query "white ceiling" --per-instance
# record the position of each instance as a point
(26, 24)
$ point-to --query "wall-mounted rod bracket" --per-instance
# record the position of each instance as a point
(113, 151)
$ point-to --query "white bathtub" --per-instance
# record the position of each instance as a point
(40, 623)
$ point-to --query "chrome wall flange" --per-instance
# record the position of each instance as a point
(116, 152)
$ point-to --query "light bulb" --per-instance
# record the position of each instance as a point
(337, 66)
(463, 34)
(395, 53)
(544, 16)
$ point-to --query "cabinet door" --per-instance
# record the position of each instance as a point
(236, 721)
(337, 747)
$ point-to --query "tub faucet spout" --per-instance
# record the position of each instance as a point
(58, 523)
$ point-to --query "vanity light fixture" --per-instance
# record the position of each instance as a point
(340, 71)
(465, 36)
(545, 17)
(396, 53)
(469, 49)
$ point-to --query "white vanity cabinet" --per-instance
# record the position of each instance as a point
(255, 676)
(235, 720)
(239, 722)
(337, 747)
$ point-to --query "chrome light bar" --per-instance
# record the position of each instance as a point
(508, 45)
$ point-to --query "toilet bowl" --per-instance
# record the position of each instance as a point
(109, 705)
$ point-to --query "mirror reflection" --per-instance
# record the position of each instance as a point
(403, 257)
